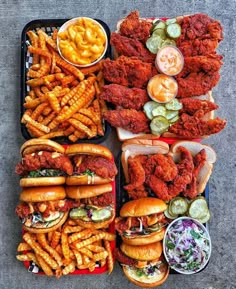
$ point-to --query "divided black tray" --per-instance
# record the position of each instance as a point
(48, 25)
(122, 197)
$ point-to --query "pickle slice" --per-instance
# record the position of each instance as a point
(205, 219)
(170, 216)
(170, 114)
(159, 124)
(171, 21)
(160, 32)
(174, 104)
(160, 110)
(168, 41)
(173, 30)
(174, 119)
(153, 43)
(78, 213)
(178, 206)
(198, 209)
(158, 24)
(148, 108)
(102, 214)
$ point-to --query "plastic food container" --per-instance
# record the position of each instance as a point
(169, 60)
(187, 245)
(82, 41)
(49, 25)
(162, 88)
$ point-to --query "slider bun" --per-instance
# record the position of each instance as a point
(89, 149)
(36, 144)
(86, 180)
(81, 192)
(42, 194)
(143, 207)
(42, 181)
(144, 239)
(143, 252)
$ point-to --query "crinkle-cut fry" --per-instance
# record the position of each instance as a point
(38, 110)
(87, 112)
(43, 242)
(100, 256)
(109, 236)
(48, 39)
(90, 240)
(23, 247)
(44, 70)
(69, 130)
(67, 80)
(65, 246)
(91, 266)
(49, 236)
(69, 268)
(82, 101)
(44, 89)
(72, 229)
(53, 134)
(103, 262)
(51, 85)
(56, 237)
(41, 81)
(71, 222)
(53, 63)
(39, 251)
(95, 248)
(94, 130)
(75, 83)
(33, 131)
(53, 124)
(98, 117)
(78, 257)
(35, 67)
(72, 69)
(81, 127)
(31, 103)
(47, 111)
(39, 51)
(94, 68)
(53, 101)
(54, 34)
(110, 260)
(79, 134)
(49, 118)
(73, 138)
(44, 266)
(59, 249)
(40, 118)
(27, 257)
(79, 235)
(103, 106)
(32, 94)
(97, 89)
(84, 119)
(36, 124)
(78, 90)
(58, 272)
(38, 92)
(86, 252)
(34, 42)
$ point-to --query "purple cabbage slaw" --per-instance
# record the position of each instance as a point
(187, 246)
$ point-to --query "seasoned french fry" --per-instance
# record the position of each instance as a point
(23, 247)
(34, 131)
(72, 229)
(80, 235)
(39, 251)
(110, 261)
(86, 252)
(36, 124)
(69, 268)
(81, 127)
(90, 240)
(53, 134)
(100, 256)
(38, 110)
(56, 236)
(34, 41)
(95, 248)
(65, 246)
(47, 270)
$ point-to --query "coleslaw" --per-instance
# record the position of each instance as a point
(187, 246)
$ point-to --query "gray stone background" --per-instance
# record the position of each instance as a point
(14, 14)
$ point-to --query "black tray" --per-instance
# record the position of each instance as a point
(48, 25)
(122, 197)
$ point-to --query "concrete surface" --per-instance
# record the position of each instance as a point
(14, 14)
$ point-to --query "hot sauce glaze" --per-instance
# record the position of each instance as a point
(162, 88)
(169, 60)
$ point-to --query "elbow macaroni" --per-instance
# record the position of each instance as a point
(83, 42)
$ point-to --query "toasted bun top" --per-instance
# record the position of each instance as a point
(81, 192)
(143, 207)
(144, 252)
(145, 146)
(41, 194)
(194, 148)
(35, 144)
(90, 149)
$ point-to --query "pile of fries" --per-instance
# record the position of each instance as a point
(71, 248)
(62, 100)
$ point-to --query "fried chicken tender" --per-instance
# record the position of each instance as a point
(192, 105)
(128, 119)
(193, 126)
(136, 174)
(137, 193)
(119, 95)
(135, 28)
(131, 47)
(128, 71)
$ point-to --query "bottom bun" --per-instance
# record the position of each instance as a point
(146, 282)
(144, 239)
(56, 224)
(42, 181)
(96, 225)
